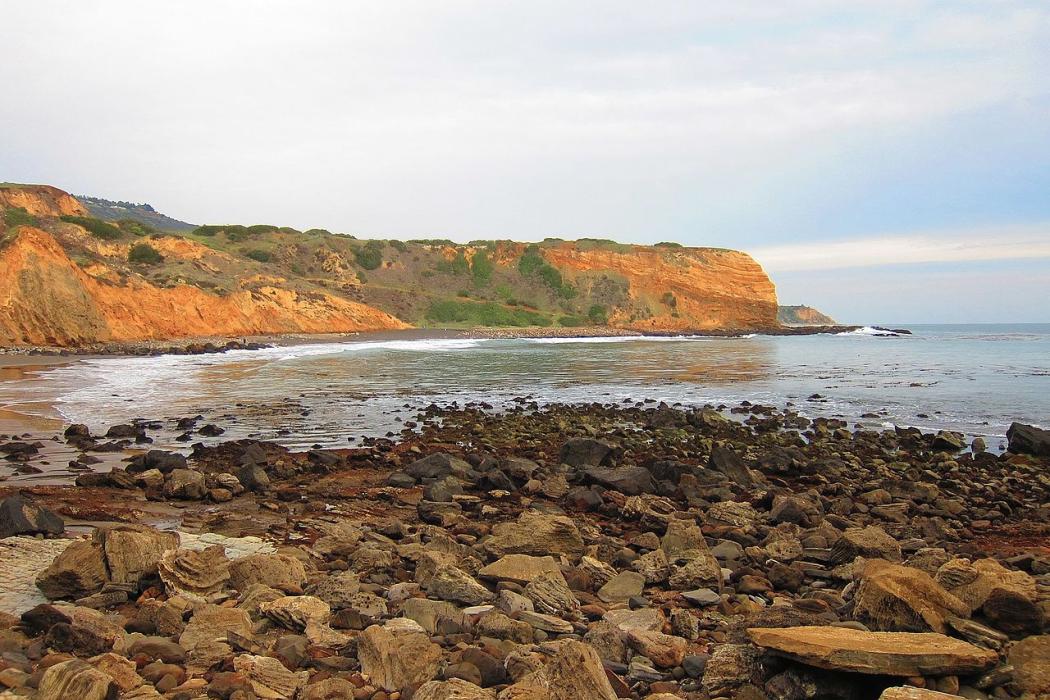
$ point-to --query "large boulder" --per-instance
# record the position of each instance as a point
(394, 661)
(1029, 440)
(899, 598)
(133, 551)
(76, 679)
(586, 452)
(453, 584)
(871, 542)
(1009, 599)
(20, 517)
(438, 466)
(453, 689)
(629, 480)
(268, 677)
(192, 574)
(519, 568)
(78, 571)
(727, 462)
(536, 534)
(273, 570)
(1030, 658)
(877, 653)
(575, 672)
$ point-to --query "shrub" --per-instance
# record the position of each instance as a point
(668, 244)
(259, 255)
(669, 299)
(481, 267)
(598, 315)
(572, 321)
(137, 228)
(532, 264)
(397, 245)
(370, 256)
(19, 217)
(460, 266)
(317, 232)
(483, 314)
(207, 231)
(145, 254)
(96, 227)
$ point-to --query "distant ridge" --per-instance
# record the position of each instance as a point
(108, 210)
(803, 316)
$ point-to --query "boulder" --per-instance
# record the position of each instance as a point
(453, 689)
(727, 462)
(586, 452)
(76, 679)
(185, 484)
(192, 574)
(268, 677)
(1028, 440)
(1030, 658)
(80, 570)
(393, 662)
(550, 595)
(438, 466)
(629, 480)
(899, 598)
(664, 650)
(273, 570)
(519, 568)
(536, 534)
(212, 623)
(878, 653)
(133, 551)
(622, 587)
(452, 584)
(870, 542)
(20, 517)
(907, 692)
(575, 672)
(730, 667)
(297, 612)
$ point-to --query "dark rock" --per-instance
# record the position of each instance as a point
(729, 463)
(586, 452)
(20, 517)
(1027, 439)
(628, 480)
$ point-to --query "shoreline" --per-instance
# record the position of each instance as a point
(216, 344)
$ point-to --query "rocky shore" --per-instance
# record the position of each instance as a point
(636, 550)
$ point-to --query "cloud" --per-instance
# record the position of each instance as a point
(1018, 242)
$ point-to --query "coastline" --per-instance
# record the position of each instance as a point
(33, 354)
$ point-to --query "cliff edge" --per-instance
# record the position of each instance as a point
(68, 279)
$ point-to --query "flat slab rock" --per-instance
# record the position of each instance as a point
(909, 693)
(882, 653)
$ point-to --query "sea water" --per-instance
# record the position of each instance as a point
(975, 379)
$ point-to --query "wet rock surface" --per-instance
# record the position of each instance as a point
(634, 551)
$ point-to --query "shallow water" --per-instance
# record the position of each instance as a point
(971, 378)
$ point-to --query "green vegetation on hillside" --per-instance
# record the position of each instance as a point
(481, 267)
(144, 254)
(532, 264)
(96, 227)
(483, 314)
(370, 256)
(19, 217)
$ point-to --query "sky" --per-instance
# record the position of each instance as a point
(885, 160)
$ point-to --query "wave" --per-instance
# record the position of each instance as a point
(618, 339)
(871, 331)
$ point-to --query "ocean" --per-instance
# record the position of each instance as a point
(973, 378)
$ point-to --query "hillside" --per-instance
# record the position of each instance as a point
(70, 279)
(108, 210)
(803, 316)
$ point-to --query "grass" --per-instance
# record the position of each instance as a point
(19, 217)
(96, 227)
(483, 314)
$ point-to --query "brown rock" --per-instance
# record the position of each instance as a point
(453, 689)
(899, 598)
(273, 570)
(519, 568)
(194, 575)
(212, 623)
(906, 692)
(268, 677)
(393, 662)
(76, 679)
(536, 534)
(664, 650)
(1031, 661)
(883, 653)
(574, 673)
(870, 542)
(78, 571)
(133, 551)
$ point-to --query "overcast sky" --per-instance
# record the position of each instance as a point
(886, 160)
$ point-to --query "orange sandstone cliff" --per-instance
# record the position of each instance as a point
(46, 299)
(69, 280)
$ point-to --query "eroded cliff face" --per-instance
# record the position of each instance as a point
(47, 299)
(40, 200)
(682, 288)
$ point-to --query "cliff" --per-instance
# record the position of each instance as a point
(68, 279)
(803, 316)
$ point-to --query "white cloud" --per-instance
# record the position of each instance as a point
(1020, 242)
